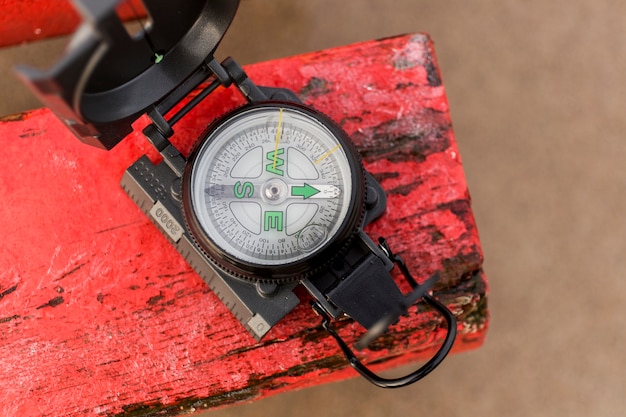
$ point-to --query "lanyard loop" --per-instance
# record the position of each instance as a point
(379, 328)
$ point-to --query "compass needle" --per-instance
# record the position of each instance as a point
(306, 191)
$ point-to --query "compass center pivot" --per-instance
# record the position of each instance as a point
(275, 191)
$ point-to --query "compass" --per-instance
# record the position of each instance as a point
(274, 191)
(273, 195)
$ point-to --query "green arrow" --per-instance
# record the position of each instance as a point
(305, 191)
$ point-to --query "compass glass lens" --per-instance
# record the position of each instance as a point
(271, 185)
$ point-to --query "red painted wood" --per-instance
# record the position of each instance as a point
(31, 20)
(100, 316)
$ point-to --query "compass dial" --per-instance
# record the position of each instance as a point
(272, 186)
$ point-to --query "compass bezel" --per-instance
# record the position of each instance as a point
(318, 258)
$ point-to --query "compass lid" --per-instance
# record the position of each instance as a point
(108, 77)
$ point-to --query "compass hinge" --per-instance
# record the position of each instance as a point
(251, 91)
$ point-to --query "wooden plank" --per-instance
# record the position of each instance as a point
(99, 315)
(32, 20)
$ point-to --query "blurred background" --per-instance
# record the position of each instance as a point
(536, 90)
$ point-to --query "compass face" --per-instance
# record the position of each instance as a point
(273, 185)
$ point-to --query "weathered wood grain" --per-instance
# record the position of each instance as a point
(99, 315)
